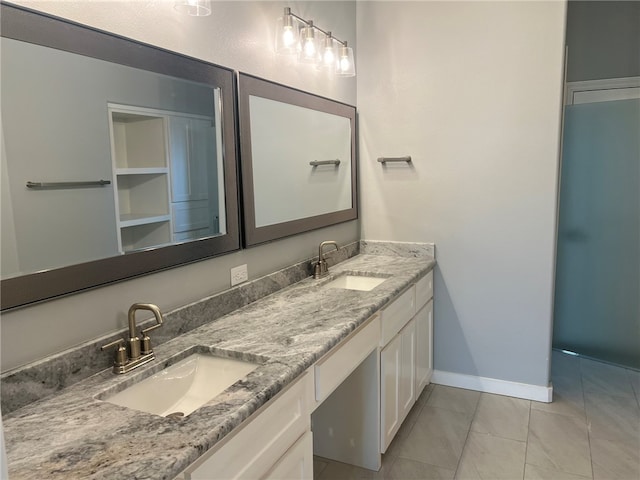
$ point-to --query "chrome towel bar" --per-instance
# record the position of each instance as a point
(384, 160)
(315, 163)
(96, 183)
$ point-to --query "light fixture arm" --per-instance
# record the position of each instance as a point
(310, 24)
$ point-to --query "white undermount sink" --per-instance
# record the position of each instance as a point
(183, 387)
(355, 282)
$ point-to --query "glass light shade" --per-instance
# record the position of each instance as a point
(287, 38)
(195, 8)
(345, 66)
(328, 54)
(308, 45)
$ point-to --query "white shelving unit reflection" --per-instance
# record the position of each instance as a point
(141, 177)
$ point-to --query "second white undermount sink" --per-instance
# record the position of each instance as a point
(355, 282)
(183, 387)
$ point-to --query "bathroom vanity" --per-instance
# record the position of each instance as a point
(339, 361)
(314, 343)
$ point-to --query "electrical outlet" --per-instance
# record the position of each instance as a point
(239, 274)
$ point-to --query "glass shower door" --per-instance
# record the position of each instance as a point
(597, 307)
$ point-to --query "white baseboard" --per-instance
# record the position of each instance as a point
(493, 385)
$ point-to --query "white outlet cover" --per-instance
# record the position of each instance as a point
(239, 274)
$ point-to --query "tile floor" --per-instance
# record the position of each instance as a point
(590, 431)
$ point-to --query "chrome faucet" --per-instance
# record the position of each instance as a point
(140, 351)
(321, 268)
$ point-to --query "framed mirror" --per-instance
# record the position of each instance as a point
(118, 160)
(298, 160)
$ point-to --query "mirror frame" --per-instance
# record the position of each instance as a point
(249, 85)
(27, 25)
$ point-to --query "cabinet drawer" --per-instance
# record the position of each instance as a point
(424, 290)
(397, 314)
(331, 370)
(297, 463)
(253, 451)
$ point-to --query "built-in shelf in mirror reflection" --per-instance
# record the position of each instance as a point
(82, 104)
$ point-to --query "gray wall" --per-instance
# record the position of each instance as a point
(483, 185)
(473, 92)
(238, 35)
(603, 40)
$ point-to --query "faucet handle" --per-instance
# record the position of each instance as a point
(146, 341)
(120, 357)
(145, 345)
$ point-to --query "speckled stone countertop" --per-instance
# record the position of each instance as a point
(74, 435)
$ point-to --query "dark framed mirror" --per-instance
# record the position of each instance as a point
(119, 158)
(298, 160)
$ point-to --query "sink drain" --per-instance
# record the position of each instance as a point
(175, 415)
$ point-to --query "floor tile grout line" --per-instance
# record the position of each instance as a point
(466, 440)
(427, 392)
(394, 459)
(584, 362)
(413, 424)
(586, 419)
(526, 447)
(636, 391)
(582, 374)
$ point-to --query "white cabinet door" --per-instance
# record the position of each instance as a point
(424, 347)
(397, 382)
(263, 440)
(390, 374)
(407, 392)
(192, 149)
(297, 463)
(193, 179)
(202, 157)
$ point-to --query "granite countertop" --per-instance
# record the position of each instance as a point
(73, 434)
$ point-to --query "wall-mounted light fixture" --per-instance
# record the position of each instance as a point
(312, 44)
(308, 44)
(195, 8)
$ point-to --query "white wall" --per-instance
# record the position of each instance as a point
(238, 35)
(472, 91)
